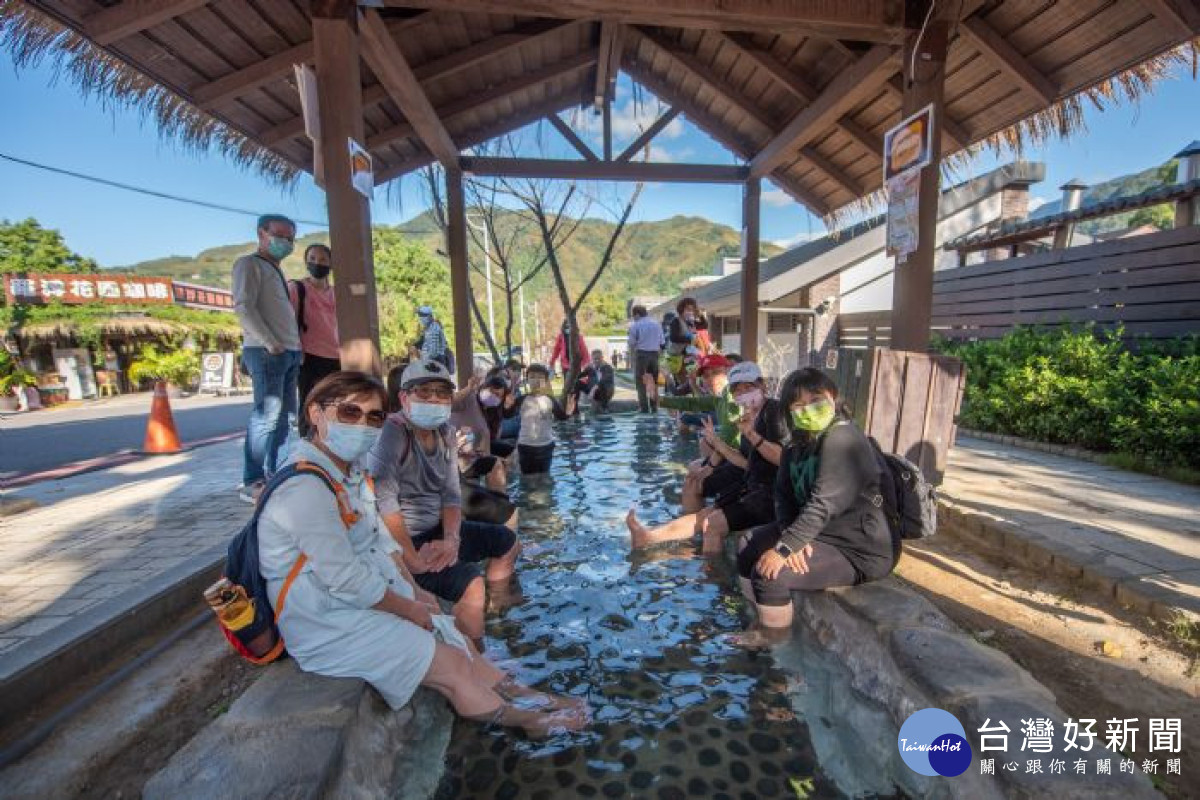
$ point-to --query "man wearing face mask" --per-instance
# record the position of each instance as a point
(270, 348)
(415, 466)
(316, 316)
(476, 413)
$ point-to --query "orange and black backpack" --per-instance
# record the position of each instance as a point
(258, 639)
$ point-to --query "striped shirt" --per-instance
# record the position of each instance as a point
(433, 345)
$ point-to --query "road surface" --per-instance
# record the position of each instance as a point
(41, 440)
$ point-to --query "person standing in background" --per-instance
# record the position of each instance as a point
(645, 342)
(270, 348)
(432, 346)
(316, 317)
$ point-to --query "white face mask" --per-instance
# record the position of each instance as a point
(750, 399)
(347, 441)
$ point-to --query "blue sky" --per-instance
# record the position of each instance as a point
(54, 124)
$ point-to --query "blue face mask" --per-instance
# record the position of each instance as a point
(428, 415)
(348, 442)
(279, 248)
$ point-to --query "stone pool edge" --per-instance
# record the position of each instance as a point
(905, 654)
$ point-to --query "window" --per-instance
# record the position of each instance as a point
(731, 325)
(782, 323)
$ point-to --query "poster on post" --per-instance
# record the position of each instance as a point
(362, 176)
(907, 149)
(903, 212)
(909, 145)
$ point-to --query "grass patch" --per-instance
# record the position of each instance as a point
(1135, 463)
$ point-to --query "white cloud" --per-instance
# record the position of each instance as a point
(777, 197)
(1036, 202)
(629, 120)
(798, 238)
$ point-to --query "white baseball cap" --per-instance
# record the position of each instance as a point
(744, 372)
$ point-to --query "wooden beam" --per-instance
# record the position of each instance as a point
(604, 65)
(492, 47)
(839, 175)
(656, 127)
(751, 206)
(236, 84)
(492, 94)
(571, 137)
(649, 172)
(391, 68)
(860, 20)
(997, 50)
(110, 25)
(706, 75)
(850, 87)
(507, 124)
(800, 88)
(718, 131)
(953, 132)
(606, 129)
(1181, 16)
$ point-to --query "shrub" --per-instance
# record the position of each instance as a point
(180, 367)
(1086, 388)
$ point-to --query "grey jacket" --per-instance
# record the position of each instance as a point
(260, 298)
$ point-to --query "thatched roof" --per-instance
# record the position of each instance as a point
(114, 326)
(219, 74)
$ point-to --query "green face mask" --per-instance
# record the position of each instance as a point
(279, 248)
(814, 417)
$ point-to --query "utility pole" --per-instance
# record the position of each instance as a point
(487, 269)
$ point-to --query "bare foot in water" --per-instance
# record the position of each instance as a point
(538, 724)
(638, 533)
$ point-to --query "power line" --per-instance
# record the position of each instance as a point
(149, 192)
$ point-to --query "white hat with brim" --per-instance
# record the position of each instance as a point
(744, 372)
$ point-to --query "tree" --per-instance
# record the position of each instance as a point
(407, 275)
(28, 247)
(1161, 217)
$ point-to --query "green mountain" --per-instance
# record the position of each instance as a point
(652, 257)
(1122, 186)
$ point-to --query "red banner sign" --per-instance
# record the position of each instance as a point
(83, 289)
(189, 294)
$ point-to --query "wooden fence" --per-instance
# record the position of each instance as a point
(1149, 284)
(908, 401)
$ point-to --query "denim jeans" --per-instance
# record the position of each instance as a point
(274, 411)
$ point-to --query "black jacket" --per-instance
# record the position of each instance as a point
(844, 507)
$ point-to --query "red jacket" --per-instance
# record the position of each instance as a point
(562, 354)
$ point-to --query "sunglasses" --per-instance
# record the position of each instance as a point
(352, 414)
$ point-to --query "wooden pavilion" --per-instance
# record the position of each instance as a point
(801, 91)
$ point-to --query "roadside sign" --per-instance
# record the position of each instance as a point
(216, 372)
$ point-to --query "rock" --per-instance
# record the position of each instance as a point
(951, 665)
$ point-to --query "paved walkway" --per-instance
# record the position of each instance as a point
(1134, 534)
(99, 541)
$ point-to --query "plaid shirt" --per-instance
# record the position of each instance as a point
(434, 343)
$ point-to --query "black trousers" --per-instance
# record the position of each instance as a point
(312, 369)
(645, 362)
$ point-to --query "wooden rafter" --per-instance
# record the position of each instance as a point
(862, 20)
(718, 131)
(839, 175)
(997, 50)
(123, 20)
(797, 86)
(232, 86)
(493, 94)
(1181, 16)
(508, 124)
(953, 132)
(851, 86)
(571, 137)
(391, 68)
(605, 170)
(656, 127)
(608, 62)
(493, 47)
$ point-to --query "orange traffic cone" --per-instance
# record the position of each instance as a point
(161, 436)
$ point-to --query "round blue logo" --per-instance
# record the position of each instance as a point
(932, 742)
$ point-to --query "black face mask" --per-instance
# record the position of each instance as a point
(318, 271)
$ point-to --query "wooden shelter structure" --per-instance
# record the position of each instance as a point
(801, 91)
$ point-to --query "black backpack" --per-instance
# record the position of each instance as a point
(909, 501)
(259, 640)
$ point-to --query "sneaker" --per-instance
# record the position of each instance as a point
(248, 493)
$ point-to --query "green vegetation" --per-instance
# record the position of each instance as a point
(12, 375)
(180, 366)
(1086, 388)
(28, 247)
(1162, 217)
(87, 322)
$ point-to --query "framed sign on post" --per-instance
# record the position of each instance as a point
(909, 145)
(907, 148)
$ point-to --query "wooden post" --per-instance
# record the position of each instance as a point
(460, 287)
(339, 97)
(912, 287)
(608, 148)
(750, 208)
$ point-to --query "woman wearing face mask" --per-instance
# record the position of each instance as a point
(538, 411)
(748, 502)
(830, 528)
(477, 413)
(316, 316)
(415, 466)
(681, 335)
(353, 610)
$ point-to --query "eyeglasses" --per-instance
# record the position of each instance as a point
(352, 414)
(431, 391)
